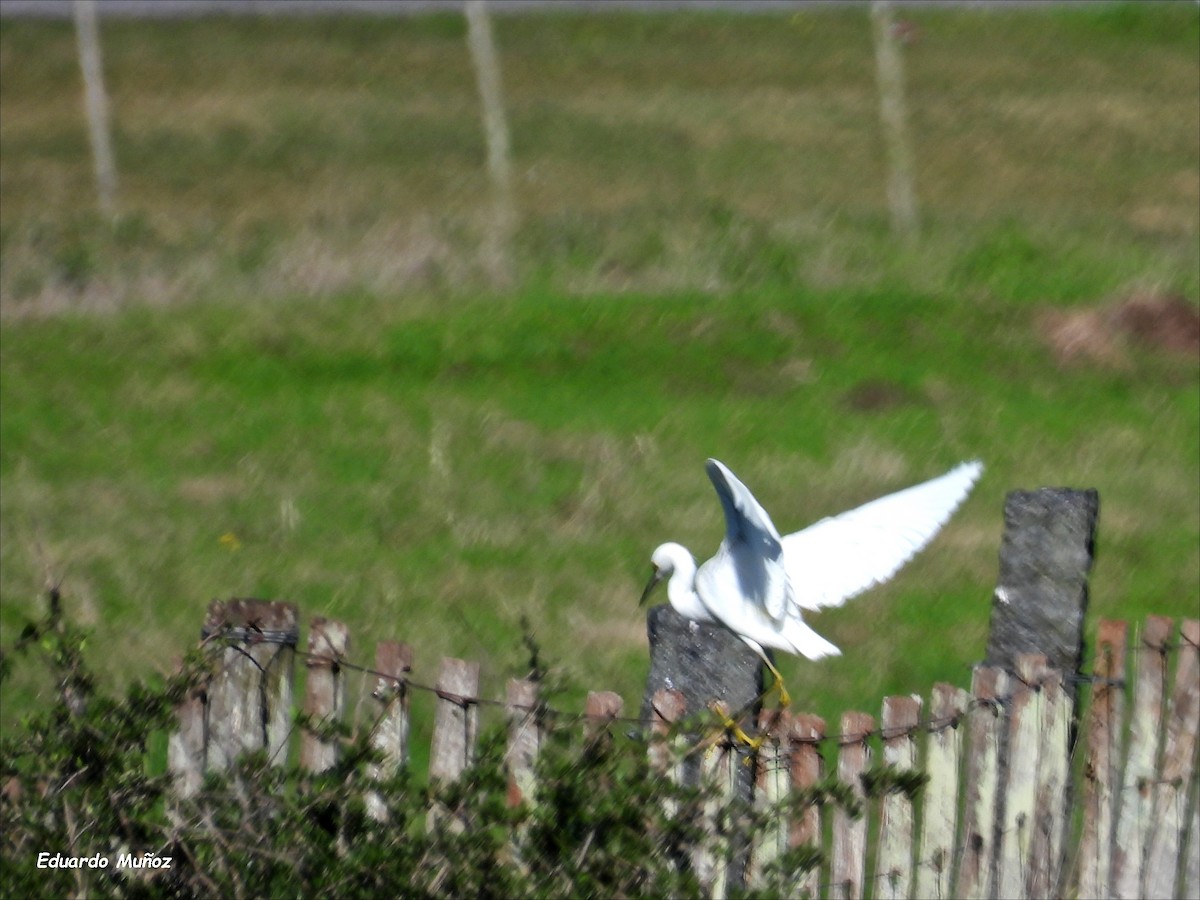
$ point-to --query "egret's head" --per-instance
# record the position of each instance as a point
(663, 563)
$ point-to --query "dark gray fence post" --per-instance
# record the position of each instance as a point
(705, 663)
(1038, 607)
(1041, 593)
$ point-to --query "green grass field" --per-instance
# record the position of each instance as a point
(282, 373)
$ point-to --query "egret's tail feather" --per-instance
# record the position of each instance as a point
(808, 643)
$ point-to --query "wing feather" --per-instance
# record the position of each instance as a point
(752, 544)
(840, 557)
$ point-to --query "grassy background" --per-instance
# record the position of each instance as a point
(287, 335)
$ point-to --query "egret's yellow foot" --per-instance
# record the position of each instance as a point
(737, 731)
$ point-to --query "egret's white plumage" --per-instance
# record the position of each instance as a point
(758, 583)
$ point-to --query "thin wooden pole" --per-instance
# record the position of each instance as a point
(96, 105)
(901, 190)
(498, 240)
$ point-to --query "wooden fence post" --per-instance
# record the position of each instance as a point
(986, 722)
(849, 834)
(393, 662)
(1102, 772)
(324, 691)
(943, 759)
(524, 739)
(1040, 601)
(250, 698)
(600, 709)
(667, 710)
(456, 720)
(1041, 593)
(1179, 755)
(893, 868)
(771, 789)
(807, 769)
(705, 662)
(1136, 798)
(187, 748)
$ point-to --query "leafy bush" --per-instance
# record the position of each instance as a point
(77, 785)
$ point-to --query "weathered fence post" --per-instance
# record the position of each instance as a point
(456, 721)
(1041, 593)
(705, 662)
(806, 735)
(393, 662)
(1040, 599)
(455, 726)
(187, 750)
(893, 868)
(524, 739)
(250, 698)
(771, 789)
(943, 756)
(1179, 755)
(600, 709)
(324, 691)
(1136, 800)
(1103, 769)
(849, 866)
(986, 722)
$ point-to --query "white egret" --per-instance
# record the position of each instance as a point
(758, 583)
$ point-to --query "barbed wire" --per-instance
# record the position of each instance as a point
(927, 723)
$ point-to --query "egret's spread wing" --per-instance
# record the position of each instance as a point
(842, 556)
(751, 547)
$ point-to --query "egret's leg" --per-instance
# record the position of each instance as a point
(785, 699)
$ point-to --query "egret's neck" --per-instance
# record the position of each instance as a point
(681, 589)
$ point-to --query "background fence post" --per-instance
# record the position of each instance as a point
(324, 691)
(250, 697)
(393, 662)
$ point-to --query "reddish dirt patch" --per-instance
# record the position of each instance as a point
(1166, 323)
